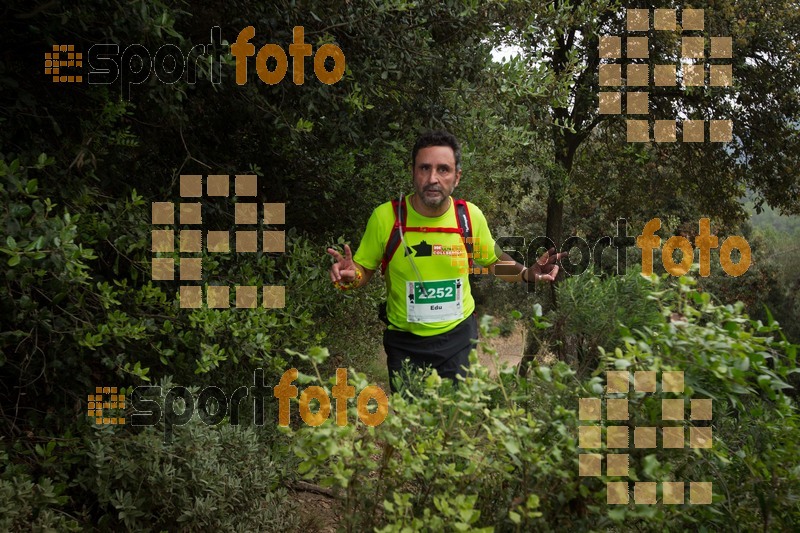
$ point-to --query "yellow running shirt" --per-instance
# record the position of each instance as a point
(438, 297)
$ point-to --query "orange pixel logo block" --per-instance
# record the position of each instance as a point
(195, 241)
(617, 436)
(474, 250)
(106, 398)
(63, 56)
(689, 72)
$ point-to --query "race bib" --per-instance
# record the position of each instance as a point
(434, 301)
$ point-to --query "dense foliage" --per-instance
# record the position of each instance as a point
(501, 451)
(80, 165)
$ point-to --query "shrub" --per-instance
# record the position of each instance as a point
(502, 452)
(29, 505)
(209, 478)
(590, 311)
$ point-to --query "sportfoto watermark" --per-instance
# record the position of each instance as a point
(648, 242)
(212, 405)
(136, 64)
(341, 391)
(299, 50)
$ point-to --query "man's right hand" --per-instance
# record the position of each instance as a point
(344, 269)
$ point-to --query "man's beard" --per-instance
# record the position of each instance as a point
(434, 202)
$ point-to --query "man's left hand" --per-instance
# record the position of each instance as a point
(545, 268)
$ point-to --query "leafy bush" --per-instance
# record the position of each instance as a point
(774, 278)
(93, 318)
(25, 505)
(81, 312)
(590, 311)
(502, 451)
(209, 478)
(431, 463)
(744, 366)
(353, 342)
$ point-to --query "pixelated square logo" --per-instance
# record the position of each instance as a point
(63, 64)
(468, 256)
(627, 74)
(106, 406)
(620, 436)
(184, 220)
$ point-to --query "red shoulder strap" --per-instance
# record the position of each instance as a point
(394, 237)
(463, 221)
(465, 226)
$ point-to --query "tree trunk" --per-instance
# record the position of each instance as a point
(554, 226)
(565, 151)
(555, 217)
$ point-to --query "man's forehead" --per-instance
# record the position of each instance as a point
(436, 154)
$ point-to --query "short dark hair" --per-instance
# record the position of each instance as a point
(437, 138)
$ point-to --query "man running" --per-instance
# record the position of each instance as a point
(417, 241)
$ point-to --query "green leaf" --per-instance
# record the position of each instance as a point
(621, 364)
(533, 501)
(318, 354)
(512, 446)
(617, 514)
(650, 464)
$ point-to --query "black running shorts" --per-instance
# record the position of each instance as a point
(448, 353)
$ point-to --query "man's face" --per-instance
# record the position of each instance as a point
(435, 175)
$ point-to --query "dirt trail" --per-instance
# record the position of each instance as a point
(318, 513)
(509, 349)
